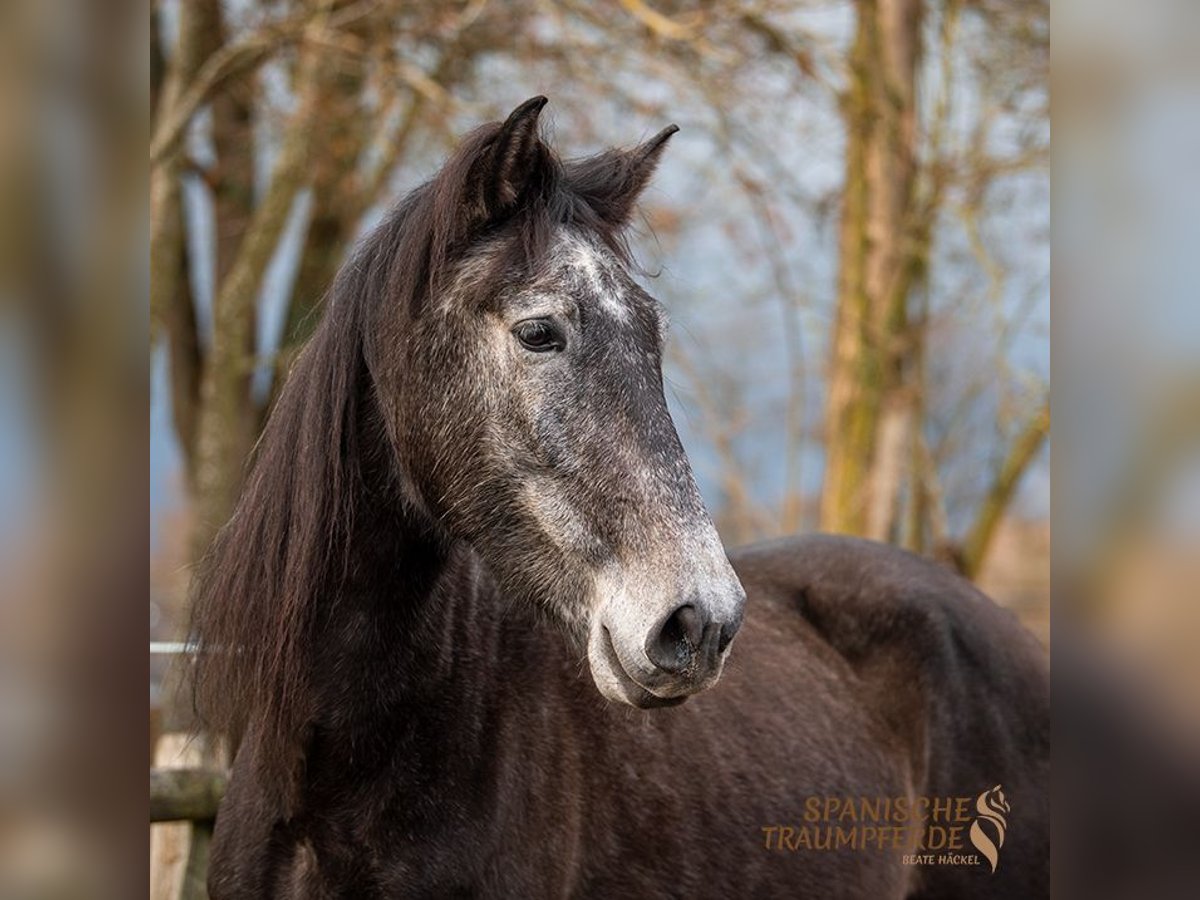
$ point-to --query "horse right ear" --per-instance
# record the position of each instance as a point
(510, 166)
(611, 182)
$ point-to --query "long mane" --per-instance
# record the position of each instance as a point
(281, 557)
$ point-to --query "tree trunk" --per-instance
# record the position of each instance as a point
(870, 350)
(225, 431)
(172, 306)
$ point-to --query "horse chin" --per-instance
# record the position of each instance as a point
(612, 679)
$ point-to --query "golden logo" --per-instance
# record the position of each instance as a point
(926, 830)
(992, 809)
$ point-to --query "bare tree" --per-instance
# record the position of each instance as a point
(355, 106)
(901, 172)
(870, 400)
(315, 107)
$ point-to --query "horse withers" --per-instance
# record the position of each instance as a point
(474, 631)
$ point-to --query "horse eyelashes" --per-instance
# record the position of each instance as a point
(539, 336)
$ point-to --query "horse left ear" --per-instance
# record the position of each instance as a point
(612, 182)
(513, 161)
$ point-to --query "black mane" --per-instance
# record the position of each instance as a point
(284, 551)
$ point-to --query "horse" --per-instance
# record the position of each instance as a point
(473, 630)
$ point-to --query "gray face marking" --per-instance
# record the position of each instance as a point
(470, 275)
(579, 494)
(598, 271)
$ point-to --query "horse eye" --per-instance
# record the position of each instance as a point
(539, 335)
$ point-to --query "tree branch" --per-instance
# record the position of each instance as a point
(1020, 455)
(236, 59)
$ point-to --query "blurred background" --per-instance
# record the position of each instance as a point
(851, 233)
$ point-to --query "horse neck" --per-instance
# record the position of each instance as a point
(415, 627)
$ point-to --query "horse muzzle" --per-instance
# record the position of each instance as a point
(680, 654)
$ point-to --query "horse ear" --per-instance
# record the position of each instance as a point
(612, 182)
(513, 161)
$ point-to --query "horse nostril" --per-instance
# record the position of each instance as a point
(671, 648)
(726, 637)
(728, 630)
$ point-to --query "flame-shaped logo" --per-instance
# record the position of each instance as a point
(993, 809)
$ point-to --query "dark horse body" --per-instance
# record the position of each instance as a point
(415, 728)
